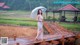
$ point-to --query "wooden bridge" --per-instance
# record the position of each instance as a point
(57, 35)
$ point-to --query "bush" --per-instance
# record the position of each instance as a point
(50, 19)
(78, 19)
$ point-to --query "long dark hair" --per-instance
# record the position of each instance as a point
(39, 12)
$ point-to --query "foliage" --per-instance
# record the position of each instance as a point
(31, 4)
(71, 26)
(78, 19)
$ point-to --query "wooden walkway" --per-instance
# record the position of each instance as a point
(56, 34)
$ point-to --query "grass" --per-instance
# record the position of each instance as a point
(18, 22)
(13, 18)
(17, 19)
(16, 12)
(71, 26)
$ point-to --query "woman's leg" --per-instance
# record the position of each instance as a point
(39, 35)
(39, 31)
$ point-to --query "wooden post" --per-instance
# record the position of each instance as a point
(64, 13)
(17, 44)
(44, 43)
(60, 15)
(55, 42)
(53, 16)
(77, 41)
(14, 37)
(62, 40)
(71, 41)
(64, 16)
(46, 14)
(77, 15)
(0, 35)
(78, 36)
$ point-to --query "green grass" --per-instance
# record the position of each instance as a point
(17, 19)
(21, 22)
(12, 18)
(71, 26)
(16, 12)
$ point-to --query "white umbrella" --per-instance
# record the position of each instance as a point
(34, 11)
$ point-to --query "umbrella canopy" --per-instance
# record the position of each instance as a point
(34, 11)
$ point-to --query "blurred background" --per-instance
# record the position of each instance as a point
(17, 12)
(31, 4)
(15, 16)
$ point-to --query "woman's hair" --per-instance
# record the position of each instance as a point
(39, 12)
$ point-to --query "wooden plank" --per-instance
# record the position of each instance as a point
(32, 41)
(48, 27)
(51, 28)
(54, 42)
(78, 36)
(44, 43)
(62, 28)
(63, 32)
(62, 40)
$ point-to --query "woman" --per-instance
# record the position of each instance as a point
(40, 25)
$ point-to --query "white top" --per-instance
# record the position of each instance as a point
(40, 18)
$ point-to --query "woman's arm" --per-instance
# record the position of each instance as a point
(38, 18)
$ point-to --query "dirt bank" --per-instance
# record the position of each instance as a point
(19, 31)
